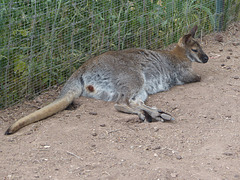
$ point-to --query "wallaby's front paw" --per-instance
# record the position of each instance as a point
(197, 78)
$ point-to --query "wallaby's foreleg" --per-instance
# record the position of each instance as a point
(189, 77)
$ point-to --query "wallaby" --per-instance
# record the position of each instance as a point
(127, 77)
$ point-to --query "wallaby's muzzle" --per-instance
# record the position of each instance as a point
(204, 58)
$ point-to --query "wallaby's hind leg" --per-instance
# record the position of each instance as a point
(144, 112)
(132, 96)
(127, 109)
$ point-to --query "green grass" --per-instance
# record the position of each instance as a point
(43, 42)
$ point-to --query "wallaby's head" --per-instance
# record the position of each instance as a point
(192, 48)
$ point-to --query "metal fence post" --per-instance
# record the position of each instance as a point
(219, 15)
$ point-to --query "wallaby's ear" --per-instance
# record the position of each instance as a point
(193, 30)
(186, 39)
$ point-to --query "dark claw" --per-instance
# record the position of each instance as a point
(148, 118)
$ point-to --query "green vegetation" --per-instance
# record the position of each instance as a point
(43, 42)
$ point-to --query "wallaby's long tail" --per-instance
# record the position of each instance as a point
(56, 106)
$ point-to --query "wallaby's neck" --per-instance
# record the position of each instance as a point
(179, 53)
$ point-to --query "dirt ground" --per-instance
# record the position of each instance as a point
(94, 141)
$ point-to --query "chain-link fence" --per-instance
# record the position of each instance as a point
(43, 42)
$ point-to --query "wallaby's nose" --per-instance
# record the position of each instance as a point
(205, 58)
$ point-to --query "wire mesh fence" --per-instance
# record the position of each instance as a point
(43, 42)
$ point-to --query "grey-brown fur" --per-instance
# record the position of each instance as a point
(127, 77)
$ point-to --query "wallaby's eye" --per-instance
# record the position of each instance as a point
(194, 50)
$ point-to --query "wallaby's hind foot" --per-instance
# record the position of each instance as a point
(144, 112)
(155, 114)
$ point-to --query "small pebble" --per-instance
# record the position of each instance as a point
(156, 129)
(235, 77)
(93, 113)
(178, 157)
(148, 148)
(219, 37)
(174, 175)
(156, 148)
(237, 176)
(94, 134)
(236, 43)
(94, 145)
(228, 154)
(228, 57)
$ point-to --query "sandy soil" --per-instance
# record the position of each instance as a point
(93, 141)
